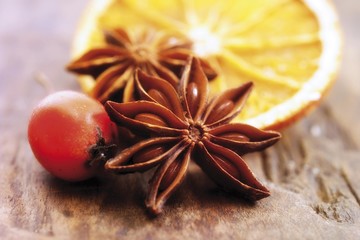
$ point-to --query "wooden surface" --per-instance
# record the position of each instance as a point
(313, 173)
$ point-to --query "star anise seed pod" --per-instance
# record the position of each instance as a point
(181, 128)
(113, 65)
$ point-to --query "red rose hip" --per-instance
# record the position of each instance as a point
(68, 132)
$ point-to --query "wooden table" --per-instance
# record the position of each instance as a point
(313, 173)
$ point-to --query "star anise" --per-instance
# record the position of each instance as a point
(181, 128)
(113, 65)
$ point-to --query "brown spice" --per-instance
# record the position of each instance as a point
(113, 65)
(181, 128)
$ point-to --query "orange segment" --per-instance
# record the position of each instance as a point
(289, 48)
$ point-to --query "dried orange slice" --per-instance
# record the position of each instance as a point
(290, 49)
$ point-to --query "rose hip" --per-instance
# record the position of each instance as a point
(69, 133)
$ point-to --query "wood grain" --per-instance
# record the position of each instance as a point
(313, 173)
